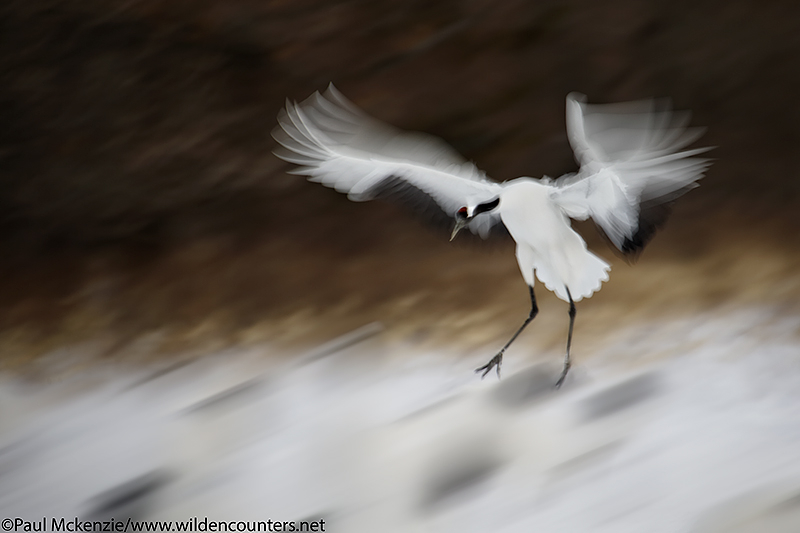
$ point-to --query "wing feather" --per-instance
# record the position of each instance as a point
(632, 167)
(336, 144)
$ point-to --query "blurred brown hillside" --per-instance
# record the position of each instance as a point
(139, 195)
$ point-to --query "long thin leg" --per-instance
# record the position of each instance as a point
(497, 360)
(567, 362)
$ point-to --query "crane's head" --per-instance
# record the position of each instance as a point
(465, 214)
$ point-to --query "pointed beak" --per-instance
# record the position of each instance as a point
(460, 223)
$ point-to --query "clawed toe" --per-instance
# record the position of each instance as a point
(496, 361)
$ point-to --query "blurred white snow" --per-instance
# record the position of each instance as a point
(370, 436)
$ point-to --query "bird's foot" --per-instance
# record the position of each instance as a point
(495, 361)
(566, 368)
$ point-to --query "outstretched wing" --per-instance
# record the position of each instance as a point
(632, 167)
(336, 144)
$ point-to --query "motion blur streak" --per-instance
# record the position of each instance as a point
(187, 330)
(374, 437)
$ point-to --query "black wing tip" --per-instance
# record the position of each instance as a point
(649, 224)
(633, 247)
(652, 218)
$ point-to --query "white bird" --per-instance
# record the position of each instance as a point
(632, 166)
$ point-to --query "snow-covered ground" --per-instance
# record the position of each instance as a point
(703, 437)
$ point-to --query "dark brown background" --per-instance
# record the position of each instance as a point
(139, 198)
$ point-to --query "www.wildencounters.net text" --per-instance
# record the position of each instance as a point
(193, 525)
